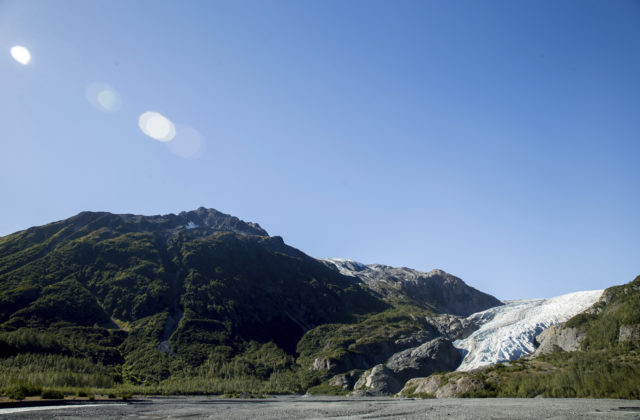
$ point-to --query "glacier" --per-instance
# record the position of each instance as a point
(507, 332)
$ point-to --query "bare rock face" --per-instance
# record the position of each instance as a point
(440, 386)
(364, 356)
(629, 333)
(379, 380)
(567, 339)
(346, 381)
(203, 219)
(428, 385)
(435, 355)
(435, 290)
(452, 326)
(321, 363)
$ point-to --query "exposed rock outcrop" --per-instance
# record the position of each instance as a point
(203, 219)
(440, 386)
(435, 355)
(321, 363)
(629, 333)
(436, 290)
(380, 380)
(453, 327)
(345, 381)
(558, 336)
(366, 355)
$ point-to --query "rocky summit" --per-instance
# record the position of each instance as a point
(204, 297)
(203, 302)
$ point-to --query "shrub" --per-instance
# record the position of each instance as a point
(22, 390)
(15, 393)
(325, 389)
(51, 394)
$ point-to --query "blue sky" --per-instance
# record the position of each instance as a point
(496, 140)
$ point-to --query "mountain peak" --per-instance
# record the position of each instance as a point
(209, 220)
(212, 218)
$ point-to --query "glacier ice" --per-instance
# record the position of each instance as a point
(508, 332)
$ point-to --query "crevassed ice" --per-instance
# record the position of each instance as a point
(508, 332)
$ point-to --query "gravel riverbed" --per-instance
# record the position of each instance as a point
(303, 407)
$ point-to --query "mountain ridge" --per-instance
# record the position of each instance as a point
(168, 297)
(203, 302)
(444, 292)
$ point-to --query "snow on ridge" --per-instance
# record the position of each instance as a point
(508, 332)
(346, 266)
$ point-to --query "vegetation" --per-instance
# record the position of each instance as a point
(52, 394)
(100, 304)
(410, 392)
(325, 389)
(370, 337)
(577, 374)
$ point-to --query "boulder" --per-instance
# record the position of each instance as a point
(345, 381)
(440, 386)
(567, 339)
(378, 380)
(435, 355)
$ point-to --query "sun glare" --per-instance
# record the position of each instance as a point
(188, 143)
(157, 126)
(103, 97)
(21, 54)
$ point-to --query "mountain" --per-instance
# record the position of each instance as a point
(188, 285)
(202, 302)
(436, 290)
(594, 354)
(508, 332)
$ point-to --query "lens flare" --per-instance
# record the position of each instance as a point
(103, 97)
(156, 126)
(21, 54)
(188, 143)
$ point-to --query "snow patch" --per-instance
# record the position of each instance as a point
(191, 225)
(508, 332)
(346, 266)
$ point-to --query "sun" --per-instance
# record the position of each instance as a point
(21, 54)
(157, 126)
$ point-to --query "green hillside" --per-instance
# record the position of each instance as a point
(197, 302)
